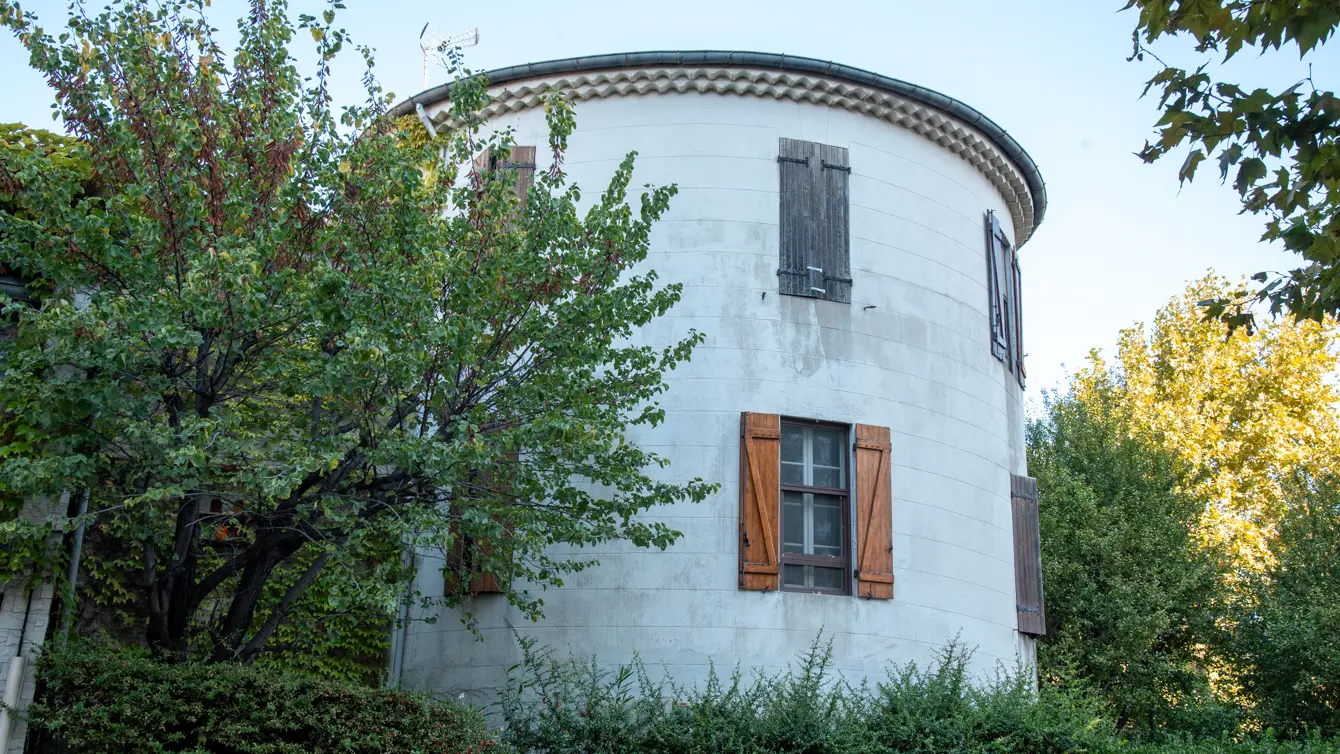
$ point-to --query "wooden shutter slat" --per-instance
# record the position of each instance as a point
(1018, 321)
(874, 512)
(1030, 602)
(760, 500)
(834, 222)
(995, 274)
(523, 162)
(797, 216)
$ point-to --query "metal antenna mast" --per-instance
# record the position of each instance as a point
(436, 46)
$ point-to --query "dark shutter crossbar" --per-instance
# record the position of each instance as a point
(513, 165)
(792, 273)
(831, 166)
(798, 160)
(832, 279)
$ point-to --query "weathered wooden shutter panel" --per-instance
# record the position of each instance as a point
(798, 215)
(1018, 329)
(995, 273)
(1029, 600)
(834, 223)
(467, 554)
(760, 500)
(874, 513)
(483, 163)
(523, 162)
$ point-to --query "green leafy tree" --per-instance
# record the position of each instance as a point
(1288, 636)
(1131, 596)
(304, 330)
(1278, 147)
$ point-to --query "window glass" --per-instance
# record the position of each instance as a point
(827, 524)
(793, 522)
(793, 455)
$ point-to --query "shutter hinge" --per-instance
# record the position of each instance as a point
(1021, 608)
(798, 160)
(514, 165)
(831, 166)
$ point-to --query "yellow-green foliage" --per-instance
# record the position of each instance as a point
(1246, 410)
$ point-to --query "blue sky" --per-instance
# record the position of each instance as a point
(1120, 237)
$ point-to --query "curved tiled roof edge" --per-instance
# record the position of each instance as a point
(598, 86)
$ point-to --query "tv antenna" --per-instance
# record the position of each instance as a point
(436, 46)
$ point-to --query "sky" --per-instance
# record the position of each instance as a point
(1120, 237)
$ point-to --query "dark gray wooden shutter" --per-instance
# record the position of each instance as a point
(1018, 329)
(1030, 605)
(995, 276)
(834, 235)
(799, 216)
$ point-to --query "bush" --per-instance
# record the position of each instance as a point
(556, 706)
(102, 700)
(564, 707)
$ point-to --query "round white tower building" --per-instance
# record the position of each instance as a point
(846, 243)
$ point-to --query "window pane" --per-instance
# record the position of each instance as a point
(825, 476)
(827, 578)
(793, 444)
(827, 525)
(793, 522)
(793, 473)
(827, 455)
(793, 575)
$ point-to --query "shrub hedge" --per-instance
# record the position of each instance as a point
(100, 700)
(565, 707)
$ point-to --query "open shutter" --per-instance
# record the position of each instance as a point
(834, 223)
(1018, 329)
(995, 274)
(760, 493)
(874, 513)
(1029, 603)
(799, 215)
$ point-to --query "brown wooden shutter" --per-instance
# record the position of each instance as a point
(522, 161)
(760, 500)
(834, 223)
(468, 553)
(874, 513)
(799, 215)
(1029, 602)
(995, 274)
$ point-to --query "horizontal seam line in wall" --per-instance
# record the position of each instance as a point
(899, 187)
(1002, 561)
(979, 585)
(982, 521)
(861, 634)
(954, 270)
(882, 368)
(970, 337)
(944, 476)
(928, 167)
(834, 329)
(864, 395)
(855, 302)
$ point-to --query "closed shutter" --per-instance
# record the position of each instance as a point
(799, 217)
(469, 554)
(1029, 602)
(520, 162)
(814, 225)
(874, 513)
(1018, 329)
(760, 493)
(834, 223)
(995, 273)
(523, 162)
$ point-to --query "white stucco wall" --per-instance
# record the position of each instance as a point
(910, 352)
